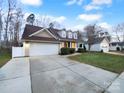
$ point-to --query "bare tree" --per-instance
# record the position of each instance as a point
(121, 29)
(1, 27)
(80, 36)
(12, 24)
(1, 23)
(119, 32)
(11, 7)
(90, 34)
(116, 29)
(45, 21)
(15, 26)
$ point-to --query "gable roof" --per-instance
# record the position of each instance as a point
(37, 32)
(115, 43)
(30, 30)
(99, 40)
(54, 32)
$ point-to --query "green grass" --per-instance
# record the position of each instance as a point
(109, 62)
(4, 58)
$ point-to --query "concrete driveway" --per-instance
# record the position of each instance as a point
(15, 76)
(57, 74)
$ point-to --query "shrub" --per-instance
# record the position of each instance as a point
(66, 51)
(81, 50)
(118, 49)
(71, 50)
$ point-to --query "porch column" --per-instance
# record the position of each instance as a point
(70, 44)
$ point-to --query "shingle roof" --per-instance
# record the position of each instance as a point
(29, 29)
(119, 43)
(98, 40)
(55, 33)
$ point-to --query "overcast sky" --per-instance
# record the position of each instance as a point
(77, 13)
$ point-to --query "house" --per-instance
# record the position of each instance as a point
(103, 34)
(47, 41)
(99, 44)
(115, 45)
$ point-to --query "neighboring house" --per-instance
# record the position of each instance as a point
(99, 44)
(47, 41)
(103, 34)
(115, 45)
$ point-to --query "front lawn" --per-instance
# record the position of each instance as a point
(4, 57)
(109, 62)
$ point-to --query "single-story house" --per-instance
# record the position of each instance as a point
(99, 44)
(115, 45)
(47, 41)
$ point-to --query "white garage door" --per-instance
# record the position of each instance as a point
(37, 49)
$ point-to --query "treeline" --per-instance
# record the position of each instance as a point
(11, 17)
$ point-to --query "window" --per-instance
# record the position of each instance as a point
(69, 34)
(63, 34)
(75, 35)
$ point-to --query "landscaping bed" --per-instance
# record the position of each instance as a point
(109, 62)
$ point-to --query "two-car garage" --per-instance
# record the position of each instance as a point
(37, 49)
(43, 49)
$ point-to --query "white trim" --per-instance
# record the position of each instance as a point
(41, 31)
(41, 41)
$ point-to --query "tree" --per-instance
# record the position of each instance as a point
(90, 34)
(11, 7)
(1, 27)
(80, 36)
(31, 19)
(12, 24)
(46, 21)
(18, 17)
(119, 32)
(1, 21)
(122, 30)
(116, 29)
